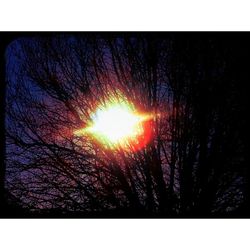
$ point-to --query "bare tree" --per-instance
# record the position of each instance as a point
(53, 85)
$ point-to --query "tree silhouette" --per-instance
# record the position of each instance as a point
(195, 161)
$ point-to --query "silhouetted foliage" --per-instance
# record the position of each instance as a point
(195, 164)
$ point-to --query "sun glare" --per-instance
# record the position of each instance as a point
(117, 124)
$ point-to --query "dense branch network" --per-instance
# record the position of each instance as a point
(55, 83)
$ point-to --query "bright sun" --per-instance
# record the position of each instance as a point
(116, 123)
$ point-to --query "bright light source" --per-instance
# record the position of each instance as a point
(117, 123)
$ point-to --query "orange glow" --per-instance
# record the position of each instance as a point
(117, 124)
